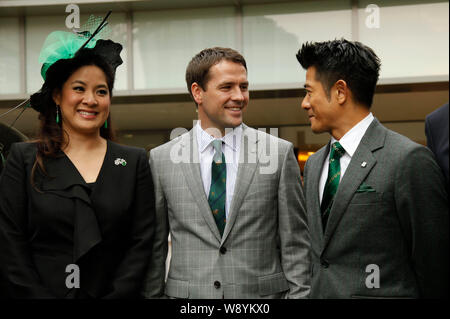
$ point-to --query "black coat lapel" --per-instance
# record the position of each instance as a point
(63, 179)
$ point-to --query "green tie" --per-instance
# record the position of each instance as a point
(331, 186)
(217, 191)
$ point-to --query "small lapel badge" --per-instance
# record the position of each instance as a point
(363, 164)
(120, 161)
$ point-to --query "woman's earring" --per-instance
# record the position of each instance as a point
(106, 124)
(57, 114)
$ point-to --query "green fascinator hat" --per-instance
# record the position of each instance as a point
(65, 45)
(61, 45)
(61, 49)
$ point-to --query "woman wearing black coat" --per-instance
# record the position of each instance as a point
(76, 209)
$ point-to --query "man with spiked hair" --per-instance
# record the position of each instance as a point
(376, 201)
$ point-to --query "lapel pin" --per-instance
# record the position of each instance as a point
(363, 164)
(120, 161)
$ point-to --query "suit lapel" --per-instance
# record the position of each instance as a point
(68, 183)
(248, 161)
(62, 179)
(355, 174)
(314, 190)
(191, 171)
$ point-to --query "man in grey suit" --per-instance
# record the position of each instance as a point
(230, 197)
(376, 201)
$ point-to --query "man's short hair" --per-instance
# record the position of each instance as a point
(198, 68)
(352, 62)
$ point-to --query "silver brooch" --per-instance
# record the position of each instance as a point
(363, 164)
(120, 161)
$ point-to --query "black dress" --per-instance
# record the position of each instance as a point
(105, 229)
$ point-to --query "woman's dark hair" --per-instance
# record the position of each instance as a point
(50, 138)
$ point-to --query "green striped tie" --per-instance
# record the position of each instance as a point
(217, 191)
(331, 186)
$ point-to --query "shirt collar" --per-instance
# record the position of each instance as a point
(351, 139)
(231, 138)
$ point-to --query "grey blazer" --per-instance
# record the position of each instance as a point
(390, 210)
(264, 251)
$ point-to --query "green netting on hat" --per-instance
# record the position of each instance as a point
(64, 45)
(60, 45)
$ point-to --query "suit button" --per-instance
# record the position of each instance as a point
(223, 250)
(324, 263)
(217, 284)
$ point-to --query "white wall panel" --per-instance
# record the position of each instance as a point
(9, 56)
(412, 39)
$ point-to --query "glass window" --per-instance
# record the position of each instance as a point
(412, 39)
(165, 41)
(9, 56)
(36, 30)
(273, 34)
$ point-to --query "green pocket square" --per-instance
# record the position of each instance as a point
(363, 188)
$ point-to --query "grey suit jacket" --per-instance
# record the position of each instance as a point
(391, 212)
(264, 251)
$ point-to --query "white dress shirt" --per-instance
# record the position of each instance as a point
(230, 148)
(349, 142)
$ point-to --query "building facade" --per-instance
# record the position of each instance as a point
(411, 37)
